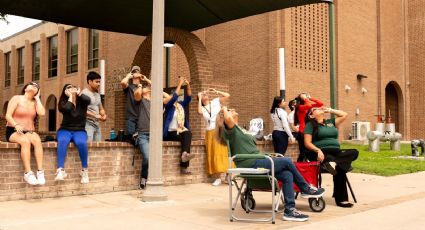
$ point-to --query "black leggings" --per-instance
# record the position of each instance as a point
(343, 159)
(301, 147)
(185, 139)
(280, 141)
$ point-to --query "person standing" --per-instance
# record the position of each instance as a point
(73, 106)
(281, 130)
(20, 115)
(291, 120)
(217, 154)
(95, 111)
(176, 124)
(303, 104)
(142, 95)
(129, 85)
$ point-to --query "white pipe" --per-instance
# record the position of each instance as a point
(102, 79)
(282, 76)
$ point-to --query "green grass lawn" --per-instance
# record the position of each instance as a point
(382, 163)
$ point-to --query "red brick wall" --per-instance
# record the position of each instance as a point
(111, 168)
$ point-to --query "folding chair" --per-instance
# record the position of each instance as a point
(259, 179)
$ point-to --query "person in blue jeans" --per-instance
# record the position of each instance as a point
(73, 106)
(129, 85)
(142, 94)
(240, 142)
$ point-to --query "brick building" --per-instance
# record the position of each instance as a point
(375, 39)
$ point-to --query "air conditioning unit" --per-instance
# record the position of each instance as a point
(360, 129)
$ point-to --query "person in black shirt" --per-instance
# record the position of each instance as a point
(73, 106)
(129, 86)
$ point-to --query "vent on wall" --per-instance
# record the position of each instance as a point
(309, 37)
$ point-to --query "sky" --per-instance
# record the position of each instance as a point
(15, 25)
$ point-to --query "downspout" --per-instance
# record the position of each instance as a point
(332, 56)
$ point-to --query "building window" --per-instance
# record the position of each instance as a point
(72, 51)
(36, 61)
(93, 48)
(21, 60)
(53, 56)
(7, 71)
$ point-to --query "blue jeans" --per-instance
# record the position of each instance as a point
(93, 132)
(280, 141)
(131, 126)
(80, 140)
(143, 143)
(286, 172)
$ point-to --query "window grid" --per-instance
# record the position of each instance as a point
(21, 69)
(72, 51)
(36, 61)
(7, 69)
(93, 55)
(53, 56)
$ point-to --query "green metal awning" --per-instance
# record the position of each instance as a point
(135, 16)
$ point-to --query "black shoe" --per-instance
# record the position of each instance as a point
(330, 167)
(344, 205)
(142, 184)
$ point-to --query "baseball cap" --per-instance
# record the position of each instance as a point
(134, 68)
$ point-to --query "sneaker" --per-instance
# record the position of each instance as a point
(313, 192)
(294, 215)
(30, 178)
(142, 184)
(185, 171)
(60, 174)
(40, 177)
(84, 176)
(217, 182)
(190, 156)
(330, 167)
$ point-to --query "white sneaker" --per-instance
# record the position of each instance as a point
(84, 176)
(40, 177)
(217, 182)
(60, 174)
(30, 178)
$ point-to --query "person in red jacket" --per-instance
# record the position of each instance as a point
(304, 103)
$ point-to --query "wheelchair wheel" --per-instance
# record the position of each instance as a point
(317, 205)
(247, 199)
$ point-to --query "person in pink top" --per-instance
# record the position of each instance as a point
(21, 113)
(304, 103)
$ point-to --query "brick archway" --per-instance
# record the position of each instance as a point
(193, 48)
(200, 68)
(394, 103)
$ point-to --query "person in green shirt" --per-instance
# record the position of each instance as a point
(240, 142)
(321, 138)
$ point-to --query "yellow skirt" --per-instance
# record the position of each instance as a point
(217, 154)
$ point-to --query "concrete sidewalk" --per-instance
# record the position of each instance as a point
(383, 202)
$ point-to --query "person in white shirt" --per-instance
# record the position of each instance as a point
(294, 128)
(281, 130)
(217, 154)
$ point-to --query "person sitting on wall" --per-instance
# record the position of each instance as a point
(176, 124)
(73, 106)
(321, 138)
(240, 142)
(21, 113)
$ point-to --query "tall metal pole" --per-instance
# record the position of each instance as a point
(167, 67)
(332, 61)
(155, 186)
(282, 77)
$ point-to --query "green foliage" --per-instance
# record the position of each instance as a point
(383, 162)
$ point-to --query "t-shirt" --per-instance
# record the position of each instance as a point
(291, 119)
(132, 106)
(240, 142)
(94, 106)
(210, 111)
(143, 121)
(74, 117)
(327, 137)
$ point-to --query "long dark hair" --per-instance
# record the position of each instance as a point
(276, 102)
(292, 104)
(63, 98)
(299, 102)
(309, 118)
(26, 85)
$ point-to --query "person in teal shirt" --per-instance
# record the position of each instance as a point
(321, 138)
(240, 142)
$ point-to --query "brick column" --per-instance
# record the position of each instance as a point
(13, 68)
(61, 57)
